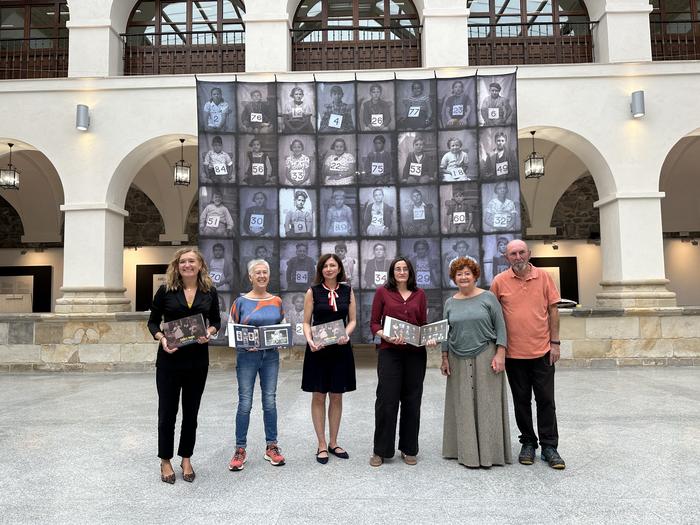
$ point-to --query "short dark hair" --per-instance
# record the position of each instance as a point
(321, 263)
(391, 280)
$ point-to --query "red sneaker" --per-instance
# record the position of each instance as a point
(238, 459)
(273, 455)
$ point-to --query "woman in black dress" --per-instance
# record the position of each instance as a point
(188, 291)
(328, 370)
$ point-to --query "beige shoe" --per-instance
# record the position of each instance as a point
(409, 460)
(376, 461)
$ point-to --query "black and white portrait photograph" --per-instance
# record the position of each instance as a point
(415, 103)
(218, 208)
(219, 255)
(293, 304)
(459, 159)
(220, 338)
(217, 163)
(349, 254)
(376, 164)
(495, 260)
(297, 213)
(501, 206)
(296, 107)
(459, 213)
(257, 157)
(265, 249)
(297, 154)
(375, 258)
(276, 336)
(337, 159)
(375, 101)
(364, 312)
(298, 264)
(417, 157)
(378, 211)
(216, 102)
(258, 212)
(497, 100)
(336, 107)
(257, 107)
(420, 213)
(435, 302)
(498, 153)
(453, 248)
(338, 212)
(424, 255)
(456, 102)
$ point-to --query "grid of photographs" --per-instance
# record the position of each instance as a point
(425, 168)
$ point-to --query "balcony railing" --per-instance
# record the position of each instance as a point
(675, 40)
(356, 48)
(545, 43)
(184, 52)
(34, 58)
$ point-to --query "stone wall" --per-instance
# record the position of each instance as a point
(121, 341)
(144, 224)
(11, 230)
(574, 212)
(192, 226)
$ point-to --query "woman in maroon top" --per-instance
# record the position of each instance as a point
(400, 366)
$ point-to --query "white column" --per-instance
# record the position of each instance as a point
(633, 252)
(444, 39)
(268, 42)
(93, 259)
(622, 33)
(94, 45)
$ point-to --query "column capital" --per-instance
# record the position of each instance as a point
(628, 195)
(93, 206)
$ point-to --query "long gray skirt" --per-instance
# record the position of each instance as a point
(476, 429)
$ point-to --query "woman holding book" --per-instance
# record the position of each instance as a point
(188, 291)
(257, 308)
(329, 371)
(476, 430)
(400, 366)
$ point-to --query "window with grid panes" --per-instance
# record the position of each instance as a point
(674, 16)
(42, 23)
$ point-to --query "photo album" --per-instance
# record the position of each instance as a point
(416, 335)
(245, 336)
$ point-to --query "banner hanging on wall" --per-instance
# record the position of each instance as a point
(424, 168)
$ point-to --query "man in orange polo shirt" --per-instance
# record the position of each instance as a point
(529, 299)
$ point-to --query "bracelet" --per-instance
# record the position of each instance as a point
(553, 342)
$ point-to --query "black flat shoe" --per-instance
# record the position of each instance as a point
(170, 478)
(187, 477)
(321, 460)
(342, 455)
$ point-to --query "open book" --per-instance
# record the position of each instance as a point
(416, 335)
(247, 336)
(328, 333)
(185, 331)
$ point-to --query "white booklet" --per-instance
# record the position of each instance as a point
(416, 335)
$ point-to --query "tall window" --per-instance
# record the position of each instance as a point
(529, 31)
(355, 34)
(185, 36)
(675, 29)
(43, 23)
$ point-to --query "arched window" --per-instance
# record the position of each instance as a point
(355, 34)
(675, 29)
(185, 36)
(529, 32)
(33, 39)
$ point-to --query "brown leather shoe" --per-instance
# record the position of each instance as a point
(376, 461)
(409, 460)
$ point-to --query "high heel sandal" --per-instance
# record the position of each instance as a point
(187, 477)
(170, 478)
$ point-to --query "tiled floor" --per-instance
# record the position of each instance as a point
(82, 449)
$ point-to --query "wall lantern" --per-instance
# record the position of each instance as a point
(534, 164)
(9, 177)
(181, 173)
(82, 117)
(637, 105)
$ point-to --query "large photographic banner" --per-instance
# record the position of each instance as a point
(425, 168)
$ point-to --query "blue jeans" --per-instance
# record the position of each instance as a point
(248, 366)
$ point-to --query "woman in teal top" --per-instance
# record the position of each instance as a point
(476, 428)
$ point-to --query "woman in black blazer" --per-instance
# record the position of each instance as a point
(188, 291)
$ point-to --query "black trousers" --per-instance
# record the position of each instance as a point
(401, 374)
(526, 376)
(170, 382)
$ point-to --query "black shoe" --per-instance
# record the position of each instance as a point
(527, 454)
(342, 455)
(320, 459)
(551, 456)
